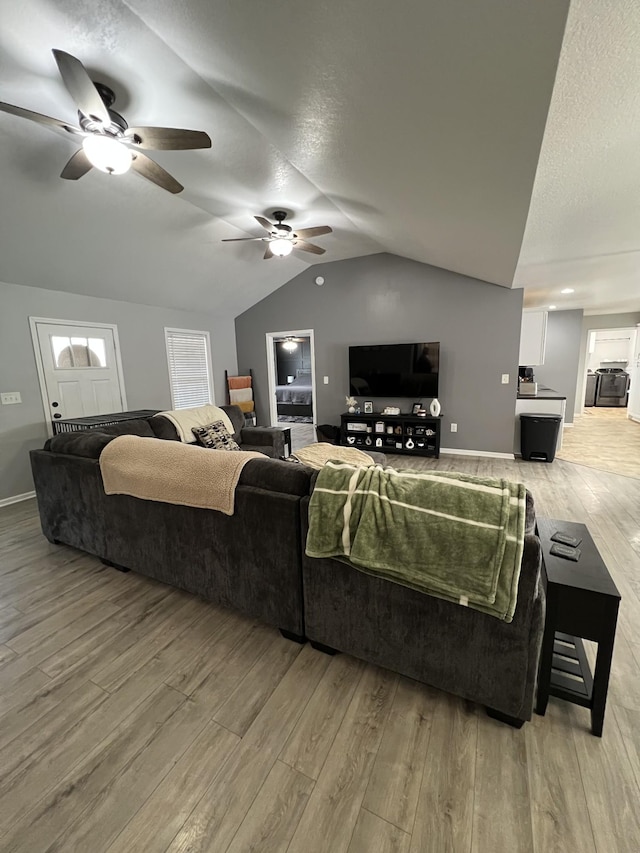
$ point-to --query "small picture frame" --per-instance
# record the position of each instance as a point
(368, 407)
(416, 408)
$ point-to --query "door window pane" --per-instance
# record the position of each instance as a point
(78, 352)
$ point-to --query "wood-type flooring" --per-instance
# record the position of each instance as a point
(606, 439)
(135, 717)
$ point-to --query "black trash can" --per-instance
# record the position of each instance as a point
(539, 436)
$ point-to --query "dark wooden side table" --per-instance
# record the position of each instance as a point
(582, 603)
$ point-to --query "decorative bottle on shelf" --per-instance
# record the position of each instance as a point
(435, 407)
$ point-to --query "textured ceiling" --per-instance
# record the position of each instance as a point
(583, 229)
(413, 128)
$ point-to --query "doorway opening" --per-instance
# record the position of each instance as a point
(292, 387)
(79, 368)
(607, 436)
(610, 367)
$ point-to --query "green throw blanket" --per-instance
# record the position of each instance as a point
(454, 536)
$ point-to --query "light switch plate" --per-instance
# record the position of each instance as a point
(505, 378)
(9, 398)
(326, 380)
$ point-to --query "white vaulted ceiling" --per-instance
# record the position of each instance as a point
(583, 231)
(408, 127)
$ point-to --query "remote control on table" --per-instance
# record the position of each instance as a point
(565, 539)
(565, 552)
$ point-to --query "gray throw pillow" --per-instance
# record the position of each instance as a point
(215, 436)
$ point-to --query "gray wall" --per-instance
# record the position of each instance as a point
(598, 321)
(388, 299)
(562, 354)
(144, 361)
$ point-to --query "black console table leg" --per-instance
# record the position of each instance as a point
(601, 676)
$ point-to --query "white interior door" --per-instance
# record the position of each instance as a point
(79, 369)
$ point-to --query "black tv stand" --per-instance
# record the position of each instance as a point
(410, 435)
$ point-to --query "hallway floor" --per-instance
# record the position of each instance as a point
(605, 439)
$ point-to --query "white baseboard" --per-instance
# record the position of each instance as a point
(567, 426)
(634, 418)
(453, 451)
(17, 498)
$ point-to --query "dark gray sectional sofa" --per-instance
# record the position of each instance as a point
(455, 648)
(254, 561)
(249, 561)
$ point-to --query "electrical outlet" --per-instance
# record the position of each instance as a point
(326, 380)
(505, 378)
(454, 427)
(8, 398)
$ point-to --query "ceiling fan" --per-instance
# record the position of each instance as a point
(290, 343)
(108, 143)
(282, 239)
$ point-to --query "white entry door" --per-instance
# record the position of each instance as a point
(79, 369)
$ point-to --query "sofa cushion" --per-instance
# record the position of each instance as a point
(216, 436)
(236, 416)
(163, 428)
(275, 476)
(530, 515)
(91, 442)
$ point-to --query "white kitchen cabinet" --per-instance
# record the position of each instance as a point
(533, 336)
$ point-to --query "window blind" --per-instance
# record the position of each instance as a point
(189, 375)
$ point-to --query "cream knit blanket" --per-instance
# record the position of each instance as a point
(172, 472)
(317, 455)
(184, 419)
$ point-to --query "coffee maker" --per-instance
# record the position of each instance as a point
(526, 383)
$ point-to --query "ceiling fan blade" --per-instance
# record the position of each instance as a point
(80, 87)
(239, 239)
(150, 170)
(39, 118)
(303, 233)
(77, 166)
(268, 253)
(308, 247)
(167, 138)
(265, 223)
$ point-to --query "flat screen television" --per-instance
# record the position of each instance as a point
(394, 370)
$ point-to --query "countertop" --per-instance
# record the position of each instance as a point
(544, 393)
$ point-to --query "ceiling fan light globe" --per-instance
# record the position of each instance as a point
(280, 247)
(290, 346)
(107, 154)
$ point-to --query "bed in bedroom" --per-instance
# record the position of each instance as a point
(295, 398)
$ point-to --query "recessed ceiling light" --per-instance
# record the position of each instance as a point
(567, 290)
(552, 307)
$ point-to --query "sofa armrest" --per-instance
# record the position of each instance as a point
(266, 437)
(530, 586)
